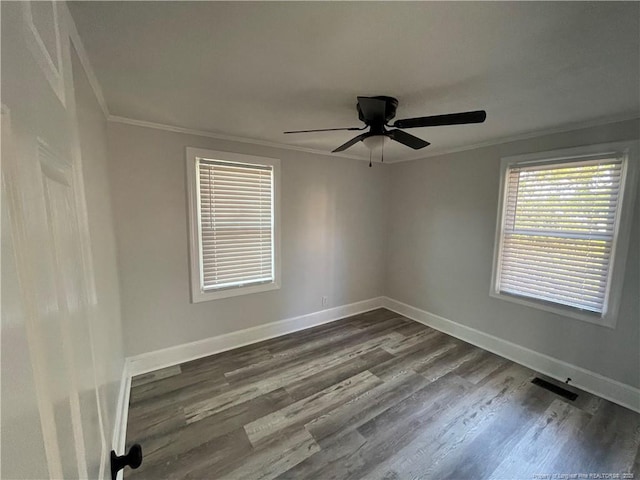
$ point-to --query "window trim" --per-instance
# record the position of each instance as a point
(198, 294)
(628, 151)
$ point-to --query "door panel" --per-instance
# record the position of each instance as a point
(45, 204)
(23, 449)
(64, 237)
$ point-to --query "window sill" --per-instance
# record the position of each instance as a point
(205, 296)
(569, 312)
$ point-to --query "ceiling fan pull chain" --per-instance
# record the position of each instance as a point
(370, 158)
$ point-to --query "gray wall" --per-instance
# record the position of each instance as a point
(421, 232)
(442, 221)
(333, 238)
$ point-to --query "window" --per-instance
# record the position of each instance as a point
(233, 206)
(562, 230)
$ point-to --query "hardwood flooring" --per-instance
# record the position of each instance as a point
(371, 396)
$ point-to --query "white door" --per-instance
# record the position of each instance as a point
(42, 179)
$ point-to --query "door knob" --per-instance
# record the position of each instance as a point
(133, 458)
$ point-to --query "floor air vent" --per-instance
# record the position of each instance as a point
(555, 389)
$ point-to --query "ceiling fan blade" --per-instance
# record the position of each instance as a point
(407, 139)
(477, 116)
(372, 108)
(326, 130)
(351, 142)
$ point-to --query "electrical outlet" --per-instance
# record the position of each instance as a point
(325, 301)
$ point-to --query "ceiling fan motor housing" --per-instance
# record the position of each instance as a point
(391, 104)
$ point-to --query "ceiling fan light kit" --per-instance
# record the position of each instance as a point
(376, 142)
(377, 112)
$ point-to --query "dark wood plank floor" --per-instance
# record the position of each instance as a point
(372, 396)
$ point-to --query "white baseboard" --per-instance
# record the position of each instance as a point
(589, 381)
(148, 362)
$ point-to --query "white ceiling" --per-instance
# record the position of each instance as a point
(254, 70)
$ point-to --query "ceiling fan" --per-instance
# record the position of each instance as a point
(376, 112)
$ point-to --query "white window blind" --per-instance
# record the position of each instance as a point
(559, 223)
(235, 206)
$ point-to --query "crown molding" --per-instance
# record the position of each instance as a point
(525, 136)
(230, 138)
(507, 139)
(74, 36)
